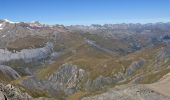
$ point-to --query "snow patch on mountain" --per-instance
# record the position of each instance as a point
(1, 26)
(6, 20)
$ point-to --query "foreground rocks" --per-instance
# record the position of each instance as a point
(2, 96)
(8, 92)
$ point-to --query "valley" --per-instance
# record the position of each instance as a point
(78, 62)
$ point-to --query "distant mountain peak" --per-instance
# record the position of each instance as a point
(6, 20)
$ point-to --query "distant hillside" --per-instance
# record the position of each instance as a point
(77, 61)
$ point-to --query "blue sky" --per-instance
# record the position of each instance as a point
(86, 11)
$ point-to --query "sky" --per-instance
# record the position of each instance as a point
(86, 12)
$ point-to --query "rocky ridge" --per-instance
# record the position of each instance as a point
(61, 61)
(27, 55)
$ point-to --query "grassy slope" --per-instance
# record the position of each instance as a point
(99, 63)
(27, 42)
(93, 60)
(149, 69)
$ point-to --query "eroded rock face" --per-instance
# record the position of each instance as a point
(26, 55)
(68, 79)
(8, 92)
(102, 82)
(164, 54)
(98, 83)
(134, 66)
(2, 96)
(7, 71)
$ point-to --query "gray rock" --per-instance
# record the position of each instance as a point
(27, 55)
(11, 93)
(98, 84)
(163, 55)
(8, 71)
(2, 96)
(68, 76)
(134, 66)
(68, 79)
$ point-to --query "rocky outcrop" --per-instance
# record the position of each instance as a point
(2, 96)
(93, 44)
(8, 73)
(98, 84)
(164, 54)
(134, 66)
(8, 92)
(68, 79)
(26, 55)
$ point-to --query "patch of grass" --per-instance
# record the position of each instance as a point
(5, 78)
(77, 96)
(36, 93)
(26, 43)
(92, 60)
(113, 44)
(153, 77)
(19, 81)
(44, 73)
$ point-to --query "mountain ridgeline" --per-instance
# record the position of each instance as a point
(77, 62)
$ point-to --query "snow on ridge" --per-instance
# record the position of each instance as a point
(10, 21)
(1, 27)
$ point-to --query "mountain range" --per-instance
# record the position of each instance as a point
(78, 62)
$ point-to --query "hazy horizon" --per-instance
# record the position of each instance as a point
(86, 12)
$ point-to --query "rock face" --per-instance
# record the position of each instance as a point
(26, 55)
(132, 92)
(134, 66)
(8, 92)
(8, 72)
(98, 83)
(68, 79)
(2, 96)
(164, 54)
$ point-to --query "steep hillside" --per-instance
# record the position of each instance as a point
(72, 62)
